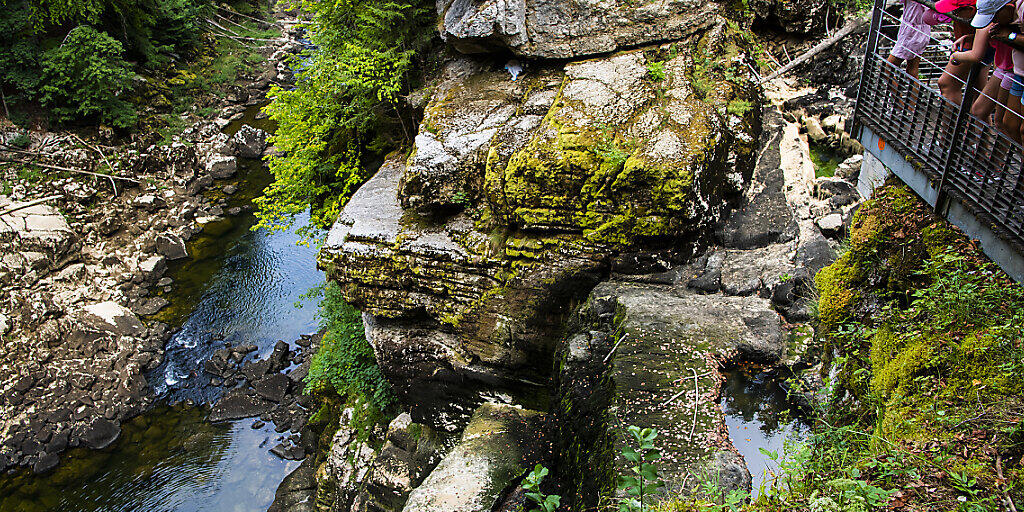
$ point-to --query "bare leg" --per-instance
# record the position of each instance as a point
(1011, 118)
(950, 83)
(985, 103)
(912, 66)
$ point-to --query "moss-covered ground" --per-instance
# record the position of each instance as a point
(926, 390)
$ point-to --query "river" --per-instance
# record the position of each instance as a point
(241, 286)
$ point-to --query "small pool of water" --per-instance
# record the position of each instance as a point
(759, 414)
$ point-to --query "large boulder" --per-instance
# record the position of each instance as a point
(498, 446)
(249, 142)
(519, 193)
(113, 318)
(563, 30)
(650, 355)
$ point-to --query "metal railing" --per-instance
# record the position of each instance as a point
(966, 158)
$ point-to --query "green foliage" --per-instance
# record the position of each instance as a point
(544, 502)
(644, 479)
(346, 110)
(21, 140)
(345, 362)
(20, 53)
(656, 70)
(86, 77)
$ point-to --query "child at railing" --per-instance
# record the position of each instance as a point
(956, 72)
(990, 15)
(1012, 121)
(915, 31)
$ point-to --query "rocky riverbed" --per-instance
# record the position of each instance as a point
(84, 264)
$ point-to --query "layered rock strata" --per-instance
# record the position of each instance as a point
(518, 194)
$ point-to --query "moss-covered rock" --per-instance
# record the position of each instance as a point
(498, 446)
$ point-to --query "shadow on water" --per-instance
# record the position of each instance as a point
(170, 459)
(240, 286)
(760, 414)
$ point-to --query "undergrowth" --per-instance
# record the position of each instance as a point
(925, 405)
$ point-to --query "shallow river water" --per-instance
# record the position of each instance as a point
(242, 287)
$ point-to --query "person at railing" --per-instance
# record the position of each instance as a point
(956, 72)
(1012, 117)
(914, 34)
(990, 15)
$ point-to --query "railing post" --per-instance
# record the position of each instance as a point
(956, 140)
(869, 51)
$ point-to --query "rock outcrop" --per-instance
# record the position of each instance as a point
(361, 475)
(518, 194)
(565, 30)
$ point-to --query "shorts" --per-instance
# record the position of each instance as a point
(1017, 88)
(990, 56)
(1007, 79)
(1000, 73)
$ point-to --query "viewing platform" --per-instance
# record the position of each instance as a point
(964, 166)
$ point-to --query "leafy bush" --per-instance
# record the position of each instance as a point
(345, 111)
(85, 77)
(544, 502)
(345, 362)
(644, 479)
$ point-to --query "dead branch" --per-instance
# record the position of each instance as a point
(68, 169)
(1002, 487)
(12, 209)
(847, 29)
(235, 13)
(696, 403)
(110, 168)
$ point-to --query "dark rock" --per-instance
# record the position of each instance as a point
(297, 491)
(258, 424)
(237, 405)
(799, 17)
(254, 370)
(289, 452)
(45, 463)
(273, 387)
(101, 434)
(766, 217)
(171, 246)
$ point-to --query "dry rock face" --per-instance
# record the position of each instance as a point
(564, 30)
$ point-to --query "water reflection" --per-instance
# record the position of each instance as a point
(170, 459)
(240, 286)
(760, 415)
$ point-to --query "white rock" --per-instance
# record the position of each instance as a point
(831, 222)
(221, 166)
(112, 317)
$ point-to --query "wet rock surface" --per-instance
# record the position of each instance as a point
(270, 389)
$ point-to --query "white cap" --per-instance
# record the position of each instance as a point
(987, 10)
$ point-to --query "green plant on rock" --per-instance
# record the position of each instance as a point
(345, 363)
(656, 70)
(544, 502)
(643, 479)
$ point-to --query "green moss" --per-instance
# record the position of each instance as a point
(836, 295)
